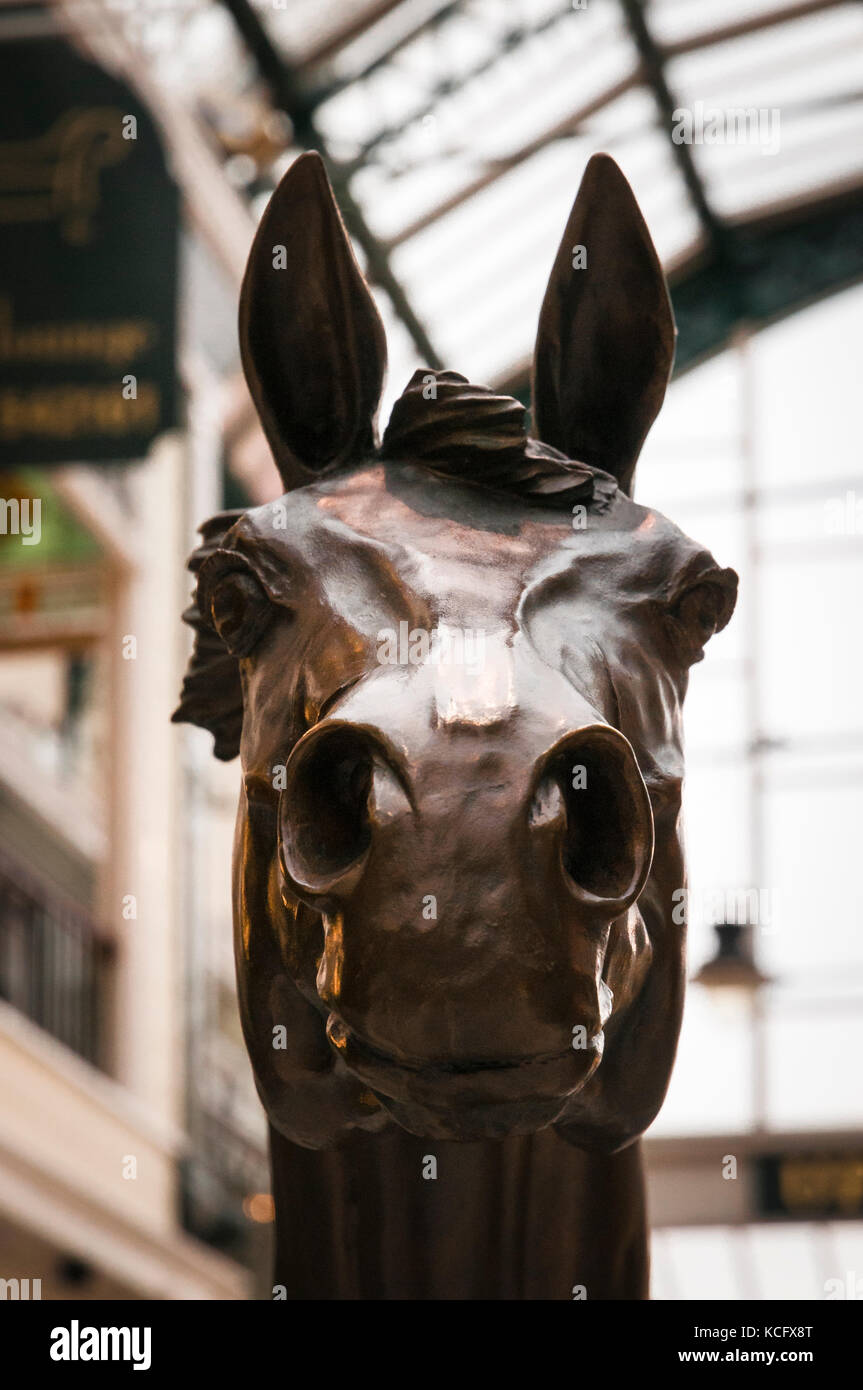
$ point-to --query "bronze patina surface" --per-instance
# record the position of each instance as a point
(453, 664)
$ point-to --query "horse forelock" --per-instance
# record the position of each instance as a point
(459, 430)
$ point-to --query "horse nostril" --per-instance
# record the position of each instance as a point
(323, 808)
(607, 824)
(338, 788)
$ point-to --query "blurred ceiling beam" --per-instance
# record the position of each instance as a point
(653, 62)
(331, 48)
(339, 38)
(724, 33)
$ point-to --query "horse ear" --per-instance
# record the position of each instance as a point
(605, 344)
(311, 339)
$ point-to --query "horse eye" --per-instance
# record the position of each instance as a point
(240, 610)
(703, 609)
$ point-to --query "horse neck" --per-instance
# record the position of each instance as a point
(523, 1218)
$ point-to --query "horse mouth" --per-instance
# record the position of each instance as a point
(481, 1081)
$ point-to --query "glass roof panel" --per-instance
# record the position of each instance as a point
(463, 129)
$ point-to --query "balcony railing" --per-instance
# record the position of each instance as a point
(53, 961)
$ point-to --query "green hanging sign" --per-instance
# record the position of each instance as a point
(89, 223)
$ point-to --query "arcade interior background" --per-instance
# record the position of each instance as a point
(139, 143)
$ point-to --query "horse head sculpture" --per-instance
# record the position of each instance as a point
(453, 664)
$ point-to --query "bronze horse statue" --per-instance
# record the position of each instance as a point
(453, 663)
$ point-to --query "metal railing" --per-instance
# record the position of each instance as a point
(53, 961)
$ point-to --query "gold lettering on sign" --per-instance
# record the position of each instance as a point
(56, 175)
(71, 410)
(115, 342)
(815, 1183)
